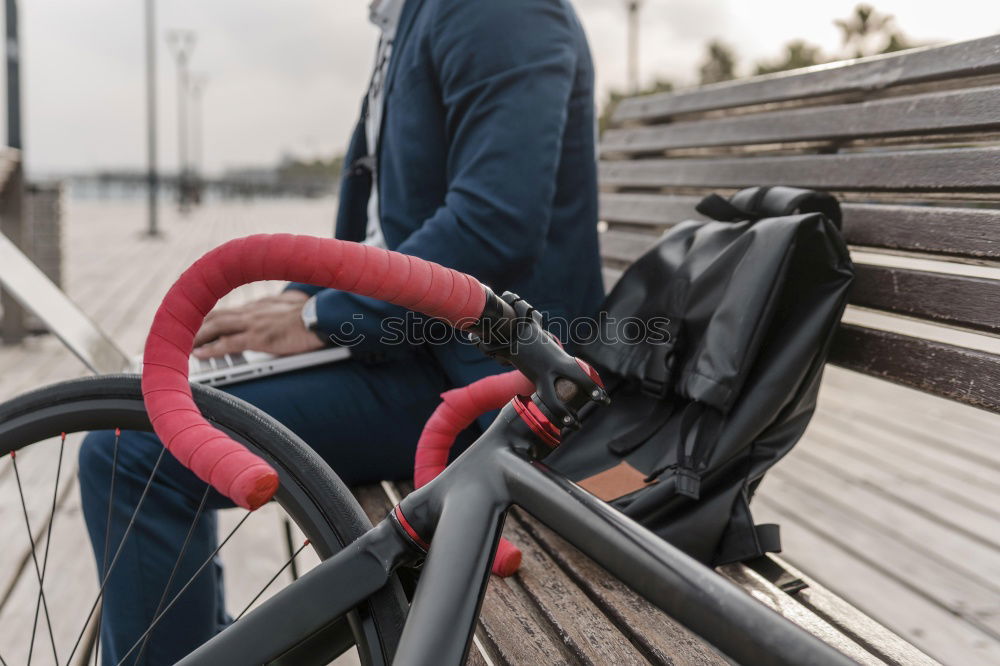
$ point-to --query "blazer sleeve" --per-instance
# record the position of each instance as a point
(506, 72)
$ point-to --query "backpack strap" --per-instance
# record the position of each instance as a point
(745, 542)
(700, 424)
(768, 537)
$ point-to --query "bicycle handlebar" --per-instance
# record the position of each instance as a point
(389, 276)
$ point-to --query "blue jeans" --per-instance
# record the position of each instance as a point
(364, 419)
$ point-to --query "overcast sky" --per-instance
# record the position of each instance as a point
(286, 76)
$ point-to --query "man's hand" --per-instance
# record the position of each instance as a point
(272, 324)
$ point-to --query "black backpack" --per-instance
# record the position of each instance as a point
(734, 319)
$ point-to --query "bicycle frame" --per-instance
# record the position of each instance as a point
(460, 515)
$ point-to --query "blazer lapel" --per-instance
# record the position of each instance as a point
(406, 20)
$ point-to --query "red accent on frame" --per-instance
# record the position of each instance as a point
(536, 420)
(409, 528)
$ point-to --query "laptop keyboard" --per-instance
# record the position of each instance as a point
(221, 363)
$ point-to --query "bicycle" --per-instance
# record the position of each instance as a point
(448, 529)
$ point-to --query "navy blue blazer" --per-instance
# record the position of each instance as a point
(486, 163)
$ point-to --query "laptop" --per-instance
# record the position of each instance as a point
(36, 292)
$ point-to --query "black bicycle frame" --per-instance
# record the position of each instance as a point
(460, 514)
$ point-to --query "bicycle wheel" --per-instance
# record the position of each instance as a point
(314, 498)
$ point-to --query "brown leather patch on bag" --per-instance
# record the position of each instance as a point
(615, 482)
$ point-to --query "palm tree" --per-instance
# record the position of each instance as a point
(720, 63)
(868, 31)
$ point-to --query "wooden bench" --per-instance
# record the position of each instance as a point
(908, 142)
(904, 141)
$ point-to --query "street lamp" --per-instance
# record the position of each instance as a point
(181, 43)
(152, 178)
(632, 7)
(13, 53)
(197, 85)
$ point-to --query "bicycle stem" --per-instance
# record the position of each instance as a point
(511, 331)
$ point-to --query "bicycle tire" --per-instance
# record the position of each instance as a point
(310, 491)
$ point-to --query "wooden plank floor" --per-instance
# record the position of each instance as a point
(890, 500)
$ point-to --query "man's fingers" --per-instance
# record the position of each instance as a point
(227, 344)
(221, 312)
(224, 323)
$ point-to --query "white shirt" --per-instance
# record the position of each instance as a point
(384, 14)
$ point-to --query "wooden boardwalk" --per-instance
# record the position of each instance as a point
(891, 500)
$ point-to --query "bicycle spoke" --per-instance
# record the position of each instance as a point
(288, 544)
(118, 552)
(34, 557)
(177, 566)
(289, 563)
(48, 543)
(184, 589)
(107, 538)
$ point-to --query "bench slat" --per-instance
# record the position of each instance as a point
(620, 248)
(964, 375)
(966, 302)
(968, 233)
(582, 626)
(973, 169)
(512, 630)
(659, 637)
(953, 111)
(652, 209)
(971, 58)
(963, 233)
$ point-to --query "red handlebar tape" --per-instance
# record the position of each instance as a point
(369, 271)
(458, 409)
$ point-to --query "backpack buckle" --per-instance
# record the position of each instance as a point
(687, 482)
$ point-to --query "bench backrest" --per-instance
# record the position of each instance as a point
(909, 142)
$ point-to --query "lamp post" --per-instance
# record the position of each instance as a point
(13, 51)
(12, 323)
(197, 88)
(152, 177)
(632, 6)
(182, 43)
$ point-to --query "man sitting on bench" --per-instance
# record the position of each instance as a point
(475, 149)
